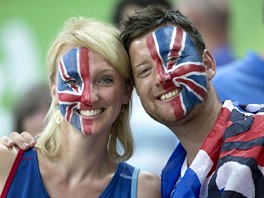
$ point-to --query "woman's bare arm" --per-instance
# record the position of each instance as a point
(7, 158)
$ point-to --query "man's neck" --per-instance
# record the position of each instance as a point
(193, 133)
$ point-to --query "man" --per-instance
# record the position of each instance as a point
(221, 149)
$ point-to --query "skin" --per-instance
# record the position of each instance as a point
(74, 88)
(152, 83)
(151, 87)
(178, 67)
(92, 175)
(79, 90)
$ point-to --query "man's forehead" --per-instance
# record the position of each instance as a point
(155, 30)
(166, 28)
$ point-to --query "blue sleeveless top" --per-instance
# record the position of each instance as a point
(25, 181)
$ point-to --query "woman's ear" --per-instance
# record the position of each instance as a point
(127, 93)
(54, 94)
(209, 64)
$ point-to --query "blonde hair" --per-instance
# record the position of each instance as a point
(103, 39)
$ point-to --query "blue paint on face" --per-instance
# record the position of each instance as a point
(174, 54)
(73, 74)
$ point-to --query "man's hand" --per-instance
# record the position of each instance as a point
(23, 141)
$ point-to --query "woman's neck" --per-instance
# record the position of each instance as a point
(83, 156)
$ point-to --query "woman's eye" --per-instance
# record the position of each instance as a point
(106, 80)
(72, 82)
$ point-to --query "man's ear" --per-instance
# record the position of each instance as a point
(54, 94)
(209, 64)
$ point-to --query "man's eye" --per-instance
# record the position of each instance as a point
(106, 80)
(72, 82)
(172, 59)
(144, 72)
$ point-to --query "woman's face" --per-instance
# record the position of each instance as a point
(90, 91)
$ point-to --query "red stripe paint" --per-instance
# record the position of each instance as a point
(69, 112)
(196, 89)
(177, 107)
(85, 75)
(174, 52)
(186, 69)
(155, 57)
(86, 124)
(12, 173)
(68, 97)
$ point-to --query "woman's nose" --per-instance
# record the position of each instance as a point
(94, 95)
(89, 96)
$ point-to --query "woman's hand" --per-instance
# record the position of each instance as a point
(23, 141)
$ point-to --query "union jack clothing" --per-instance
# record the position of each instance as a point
(230, 162)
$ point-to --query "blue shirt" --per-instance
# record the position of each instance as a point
(223, 54)
(27, 180)
(241, 80)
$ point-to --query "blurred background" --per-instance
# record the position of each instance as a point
(26, 29)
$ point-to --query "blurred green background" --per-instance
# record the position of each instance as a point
(40, 20)
(45, 17)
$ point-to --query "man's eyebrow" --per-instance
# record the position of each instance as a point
(140, 64)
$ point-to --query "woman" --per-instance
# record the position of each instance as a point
(77, 153)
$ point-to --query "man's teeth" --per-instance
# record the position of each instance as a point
(90, 112)
(169, 95)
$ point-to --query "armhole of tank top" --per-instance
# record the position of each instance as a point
(12, 173)
(134, 183)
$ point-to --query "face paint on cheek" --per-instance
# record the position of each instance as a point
(74, 88)
(178, 66)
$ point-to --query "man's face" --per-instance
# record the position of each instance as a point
(169, 74)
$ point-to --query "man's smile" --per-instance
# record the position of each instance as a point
(170, 94)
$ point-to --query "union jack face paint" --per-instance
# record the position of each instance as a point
(74, 88)
(178, 65)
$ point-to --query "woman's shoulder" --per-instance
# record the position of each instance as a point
(148, 185)
(7, 158)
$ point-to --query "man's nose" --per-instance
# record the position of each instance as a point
(163, 77)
